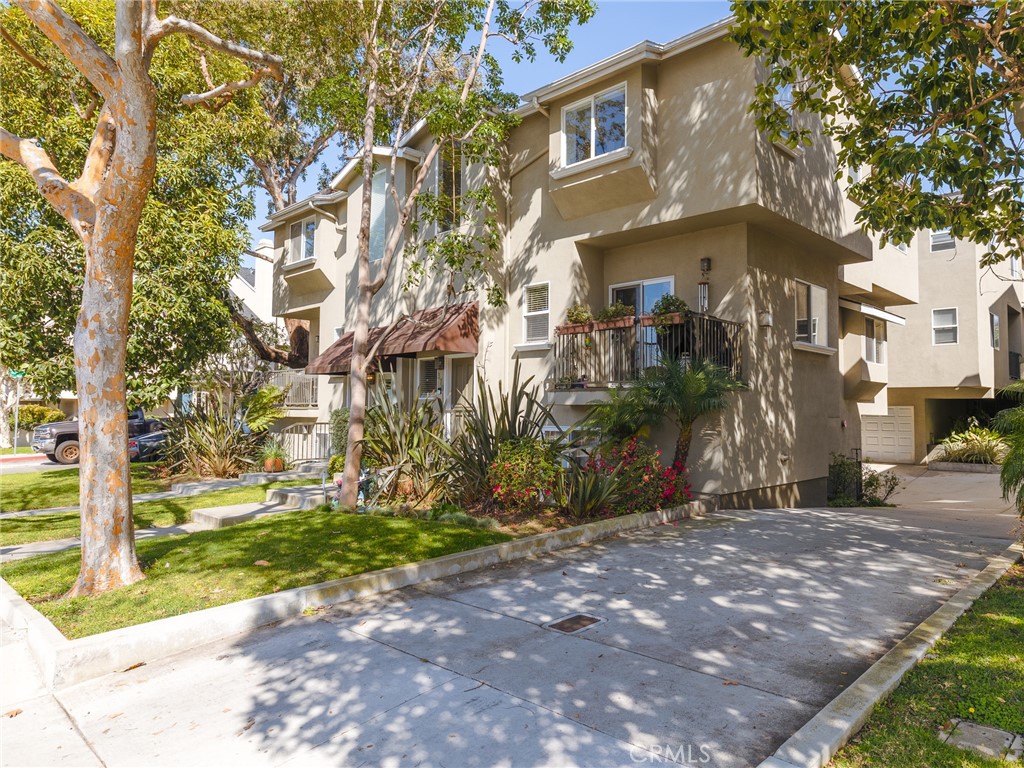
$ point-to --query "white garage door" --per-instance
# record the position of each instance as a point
(889, 439)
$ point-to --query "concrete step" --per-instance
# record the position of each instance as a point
(255, 478)
(299, 497)
(221, 517)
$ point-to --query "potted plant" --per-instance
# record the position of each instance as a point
(668, 310)
(617, 315)
(578, 320)
(273, 456)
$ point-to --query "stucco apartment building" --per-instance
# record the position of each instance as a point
(640, 175)
(960, 345)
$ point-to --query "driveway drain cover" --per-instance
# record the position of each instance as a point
(577, 622)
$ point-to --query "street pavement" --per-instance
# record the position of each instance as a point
(716, 640)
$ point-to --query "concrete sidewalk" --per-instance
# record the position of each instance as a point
(717, 640)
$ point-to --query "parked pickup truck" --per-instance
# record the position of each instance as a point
(59, 441)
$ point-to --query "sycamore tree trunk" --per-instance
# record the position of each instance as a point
(364, 296)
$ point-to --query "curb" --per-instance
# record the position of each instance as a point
(65, 662)
(813, 745)
(23, 457)
(962, 466)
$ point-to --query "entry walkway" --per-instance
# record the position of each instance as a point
(716, 640)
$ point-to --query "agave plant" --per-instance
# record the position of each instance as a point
(405, 446)
(585, 493)
(974, 445)
(208, 442)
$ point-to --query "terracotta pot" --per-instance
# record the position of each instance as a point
(273, 465)
(672, 318)
(618, 322)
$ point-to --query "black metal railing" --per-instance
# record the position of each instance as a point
(616, 352)
(1015, 366)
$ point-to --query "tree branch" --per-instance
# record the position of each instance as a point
(100, 151)
(34, 61)
(93, 62)
(160, 28)
(75, 207)
(226, 90)
(295, 357)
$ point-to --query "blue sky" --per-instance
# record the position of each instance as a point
(616, 25)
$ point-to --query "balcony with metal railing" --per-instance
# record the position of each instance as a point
(300, 388)
(599, 355)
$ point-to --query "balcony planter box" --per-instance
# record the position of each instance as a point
(573, 329)
(618, 322)
(672, 318)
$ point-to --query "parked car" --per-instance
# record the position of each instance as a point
(147, 447)
(59, 440)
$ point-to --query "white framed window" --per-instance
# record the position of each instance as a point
(942, 240)
(428, 380)
(1015, 267)
(874, 340)
(537, 313)
(993, 327)
(450, 178)
(945, 328)
(811, 314)
(784, 99)
(642, 294)
(378, 215)
(302, 240)
(594, 126)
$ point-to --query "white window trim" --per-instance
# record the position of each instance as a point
(931, 240)
(526, 314)
(1014, 263)
(300, 251)
(956, 324)
(995, 331)
(670, 279)
(593, 130)
(825, 348)
(871, 342)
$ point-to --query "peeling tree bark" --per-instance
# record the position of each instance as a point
(104, 206)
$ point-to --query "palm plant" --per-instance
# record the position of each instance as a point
(1011, 424)
(679, 389)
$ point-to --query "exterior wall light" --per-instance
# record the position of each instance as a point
(765, 319)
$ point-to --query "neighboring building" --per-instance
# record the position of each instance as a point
(962, 343)
(254, 285)
(672, 190)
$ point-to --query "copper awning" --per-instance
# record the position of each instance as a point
(453, 329)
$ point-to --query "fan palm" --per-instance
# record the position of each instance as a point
(679, 389)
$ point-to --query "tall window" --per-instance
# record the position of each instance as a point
(302, 240)
(811, 314)
(784, 99)
(537, 314)
(1015, 267)
(944, 326)
(595, 126)
(874, 340)
(378, 215)
(993, 327)
(449, 185)
(429, 381)
(942, 240)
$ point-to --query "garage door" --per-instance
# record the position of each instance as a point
(890, 438)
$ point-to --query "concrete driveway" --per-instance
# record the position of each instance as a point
(717, 639)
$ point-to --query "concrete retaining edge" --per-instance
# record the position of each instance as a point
(814, 745)
(962, 466)
(65, 662)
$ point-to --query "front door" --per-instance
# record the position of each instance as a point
(459, 397)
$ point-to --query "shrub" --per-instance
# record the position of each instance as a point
(260, 409)
(210, 443)
(588, 491)
(669, 304)
(579, 314)
(339, 432)
(336, 464)
(850, 484)
(877, 487)
(32, 416)
(272, 449)
(614, 311)
(646, 483)
(522, 474)
(974, 445)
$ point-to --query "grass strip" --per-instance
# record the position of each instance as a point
(974, 672)
(158, 513)
(200, 570)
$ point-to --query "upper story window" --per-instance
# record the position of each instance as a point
(874, 340)
(945, 328)
(302, 240)
(1015, 267)
(378, 215)
(450, 172)
(993, 327)
(942, 240)
(784, 99)
(811, 314)
(594, 126)
(537, 313)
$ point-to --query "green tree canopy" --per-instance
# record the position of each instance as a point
(929, 95)
(192, 232)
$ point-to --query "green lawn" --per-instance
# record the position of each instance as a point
(59, 487)
(11, 451)
(160, 513)
(195, 571)
(975, 672)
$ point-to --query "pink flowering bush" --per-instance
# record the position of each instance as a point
(523, 474)
(645, 484)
